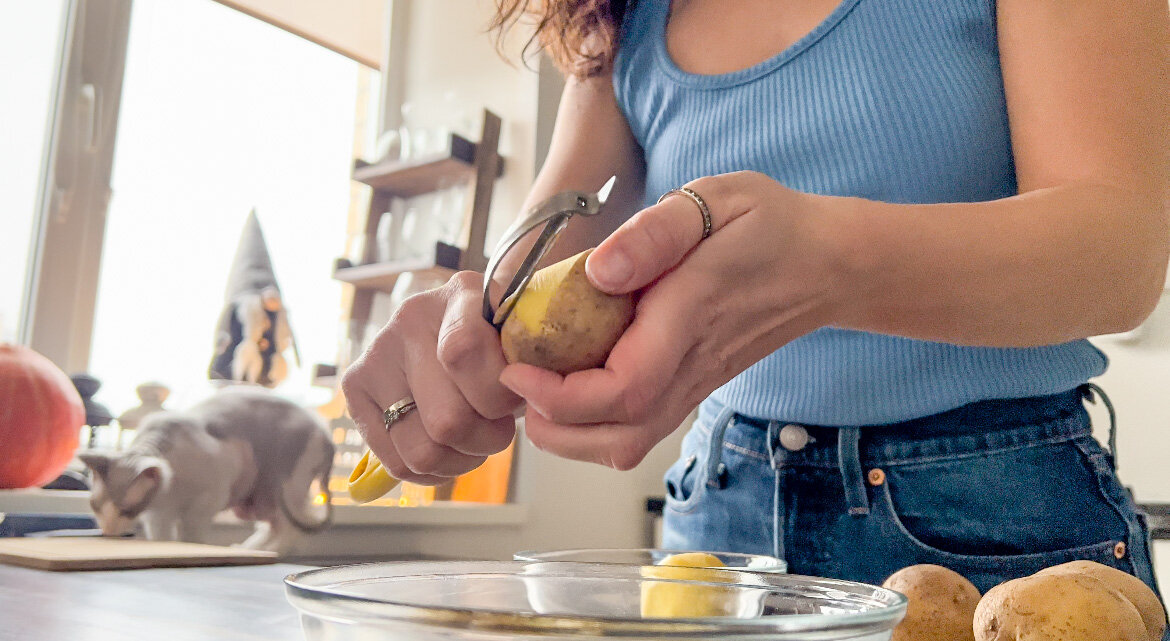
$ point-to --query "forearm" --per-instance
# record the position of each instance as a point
(590, 143)
(1045, 267)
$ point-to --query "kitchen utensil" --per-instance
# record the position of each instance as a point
(487, 600)
(369, 479)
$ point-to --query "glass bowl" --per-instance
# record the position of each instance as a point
(653, 556)
(491, 601)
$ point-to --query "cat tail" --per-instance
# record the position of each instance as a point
(306, 526)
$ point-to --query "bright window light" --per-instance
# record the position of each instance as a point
(220, 114)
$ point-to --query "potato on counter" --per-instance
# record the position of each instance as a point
(1057, 607)
(562, 323)
(942, 604)
(1131, 587)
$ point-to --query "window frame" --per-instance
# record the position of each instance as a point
(60, 292)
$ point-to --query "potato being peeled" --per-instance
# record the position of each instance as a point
(1131, 587)
(941, 604)
(562, 322)
(1057, 607)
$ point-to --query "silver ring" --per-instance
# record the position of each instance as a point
(698, 200)
(398, 410)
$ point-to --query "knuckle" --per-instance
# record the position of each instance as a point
(449, 425)
(411, 311)
(397, 468)
(428, 460)
(500, 408)
(349, 381)
(466, 280)
(458, 345)
(500, 439)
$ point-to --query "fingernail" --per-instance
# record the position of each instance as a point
(611, 270)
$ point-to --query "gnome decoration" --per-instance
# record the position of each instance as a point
(253, 331)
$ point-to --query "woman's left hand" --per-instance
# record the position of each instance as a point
(769, 272)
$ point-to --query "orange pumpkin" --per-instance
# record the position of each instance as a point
(41, 415)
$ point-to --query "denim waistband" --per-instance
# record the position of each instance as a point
(980, 427)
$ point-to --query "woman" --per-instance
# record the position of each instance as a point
(918, 212)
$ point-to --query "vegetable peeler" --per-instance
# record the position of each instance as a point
(369, 479)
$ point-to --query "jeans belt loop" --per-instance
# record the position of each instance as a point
(777, 454)
(716, 470)
(1090, 392)
(849, 458)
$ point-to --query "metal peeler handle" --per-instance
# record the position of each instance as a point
(554, 214)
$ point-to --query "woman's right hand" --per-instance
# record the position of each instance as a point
(438, 349)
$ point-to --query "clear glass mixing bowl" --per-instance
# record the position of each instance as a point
(652, 556)
(493, 601)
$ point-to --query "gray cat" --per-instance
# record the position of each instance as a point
(244, 449)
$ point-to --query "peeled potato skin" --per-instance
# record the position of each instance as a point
(579, 329)
(1057, 607)
(942, 604)
(1131, 587)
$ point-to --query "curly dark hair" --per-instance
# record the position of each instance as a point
(581, 36)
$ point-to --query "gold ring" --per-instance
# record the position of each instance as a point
(398, 410)
(698, 200)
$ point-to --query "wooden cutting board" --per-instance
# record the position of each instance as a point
(100, 553)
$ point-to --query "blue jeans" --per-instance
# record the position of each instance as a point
(993, 490)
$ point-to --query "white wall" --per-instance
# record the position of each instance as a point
(1138, 381)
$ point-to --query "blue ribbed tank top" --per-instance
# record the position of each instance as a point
(891, 100)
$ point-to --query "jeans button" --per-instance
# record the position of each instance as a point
(794, 437)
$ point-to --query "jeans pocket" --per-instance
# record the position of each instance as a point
(684, 479)
(1004, 514)
(1035, 498)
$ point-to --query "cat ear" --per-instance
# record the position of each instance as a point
(216, 429)
(99, 462)
(140, 492)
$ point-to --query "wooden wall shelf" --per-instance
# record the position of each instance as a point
(382, 276)
(478, 164)
(443, 262)
(418, 176)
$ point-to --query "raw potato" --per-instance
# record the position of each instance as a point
(561, 322)
(942, 604)
(1057, 607)
(666, 600)
(1131, 587)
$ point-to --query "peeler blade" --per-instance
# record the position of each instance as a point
(553, 214)
(603, 193)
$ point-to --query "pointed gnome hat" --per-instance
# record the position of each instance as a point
(252, 267)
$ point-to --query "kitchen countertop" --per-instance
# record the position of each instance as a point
(172, 604)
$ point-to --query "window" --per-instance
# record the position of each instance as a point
(30, 37)
(222, 114)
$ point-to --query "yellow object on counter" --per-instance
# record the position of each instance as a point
(369, 480)
(670, 600)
